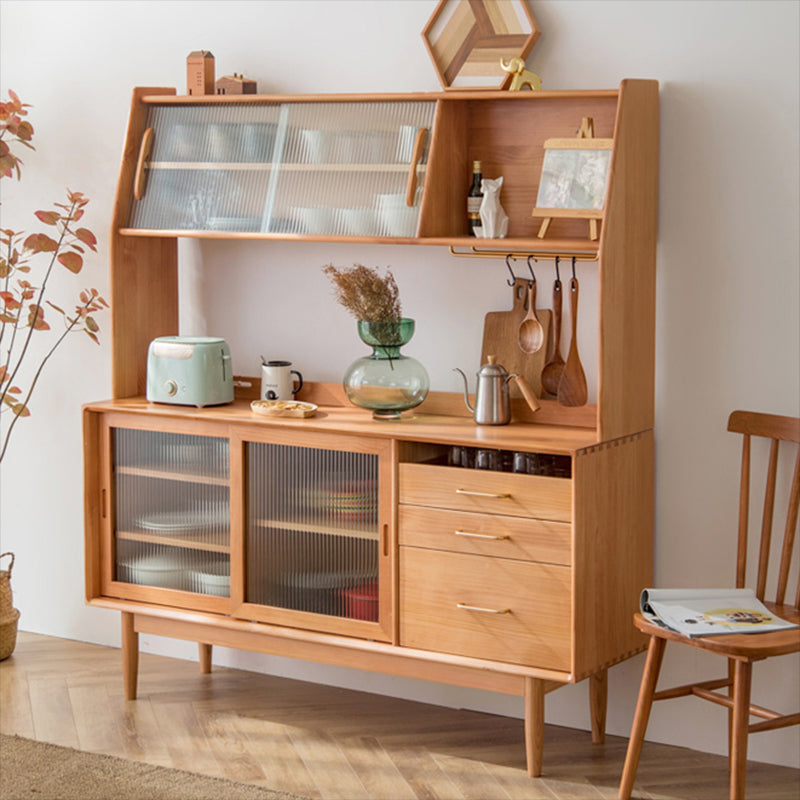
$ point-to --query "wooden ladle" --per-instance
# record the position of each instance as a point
(531, 332)
(572, 386)
(551, 374)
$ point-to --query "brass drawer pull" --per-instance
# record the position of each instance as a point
(479, 535)
(484, 610)
(482, 494)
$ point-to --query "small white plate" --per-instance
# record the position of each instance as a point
(283, 408)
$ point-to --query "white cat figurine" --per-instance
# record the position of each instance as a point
(494, 220)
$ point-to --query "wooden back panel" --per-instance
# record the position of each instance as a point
(777, 429)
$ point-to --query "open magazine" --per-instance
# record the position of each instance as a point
(709, 612)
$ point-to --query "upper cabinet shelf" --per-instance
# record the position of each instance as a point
(384, 168)
(330, 169)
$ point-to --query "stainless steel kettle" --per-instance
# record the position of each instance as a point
(492, 404)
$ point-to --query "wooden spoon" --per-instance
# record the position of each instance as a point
(551, 374)
(572, 386)
(531, 332)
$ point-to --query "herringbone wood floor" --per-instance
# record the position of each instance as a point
(324, 742)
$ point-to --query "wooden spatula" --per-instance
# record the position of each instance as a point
(572, 386)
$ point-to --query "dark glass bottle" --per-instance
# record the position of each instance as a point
(474, 198)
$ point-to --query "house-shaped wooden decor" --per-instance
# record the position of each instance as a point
(200, 72)
(236, 84)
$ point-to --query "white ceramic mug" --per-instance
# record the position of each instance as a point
(277, 382)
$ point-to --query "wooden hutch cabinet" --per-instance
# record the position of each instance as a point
(337, 538)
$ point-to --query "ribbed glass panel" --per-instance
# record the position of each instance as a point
(345, 167)
(209, 168)
(312, 535)
(336, 169)
(172, 511)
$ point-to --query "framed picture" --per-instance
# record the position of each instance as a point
(574, 180)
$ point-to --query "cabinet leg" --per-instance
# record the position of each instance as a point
(130, 656)
(598, 702)
(534, 725)
(205, 657)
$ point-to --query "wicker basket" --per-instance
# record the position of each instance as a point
(8, 634)
(9, 616)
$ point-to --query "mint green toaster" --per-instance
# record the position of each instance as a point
(189, 371)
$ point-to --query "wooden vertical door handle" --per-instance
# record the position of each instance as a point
(416, 155)
(140, 178)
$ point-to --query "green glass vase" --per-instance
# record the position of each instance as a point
(386, 382)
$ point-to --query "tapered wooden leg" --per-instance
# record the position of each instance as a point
(534, 725)
(598, 702)
(205, 657)
(742, 677)
(130, 656)
(652, 666)
(731, 664)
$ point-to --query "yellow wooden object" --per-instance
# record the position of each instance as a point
(522, 77)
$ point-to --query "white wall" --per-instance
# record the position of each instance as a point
(728, 282)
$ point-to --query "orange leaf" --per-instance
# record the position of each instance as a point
(3, 374)
(20, 410)
(72, 261)
(48, 217)
(36, 318)
(9, 301)
(40, 243)
(87, 237)
(25, 131)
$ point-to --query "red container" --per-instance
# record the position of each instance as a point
(361, 602)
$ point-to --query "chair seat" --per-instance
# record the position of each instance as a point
(749, 646)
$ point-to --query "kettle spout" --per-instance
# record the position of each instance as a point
(466, 389)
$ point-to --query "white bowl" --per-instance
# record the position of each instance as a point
(165, 573)
(317, 145)
(314, 219)
(396, 218)
(359, 221)
(213, 578)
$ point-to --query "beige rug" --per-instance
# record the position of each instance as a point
(38, 771)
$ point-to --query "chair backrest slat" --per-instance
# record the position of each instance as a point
(777, 429)
(788, 537)
(744, 515)
(766, 520)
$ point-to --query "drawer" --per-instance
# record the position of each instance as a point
(486, 534)
(489, 492)
(493, 608)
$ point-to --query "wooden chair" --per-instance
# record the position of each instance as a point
(741, 650)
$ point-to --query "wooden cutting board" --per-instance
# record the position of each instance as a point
(500, 338)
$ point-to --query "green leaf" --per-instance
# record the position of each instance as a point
(92, 325)
(72, 261)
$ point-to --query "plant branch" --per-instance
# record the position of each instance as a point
(72, 323)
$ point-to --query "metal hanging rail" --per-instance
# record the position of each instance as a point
(475, 252)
